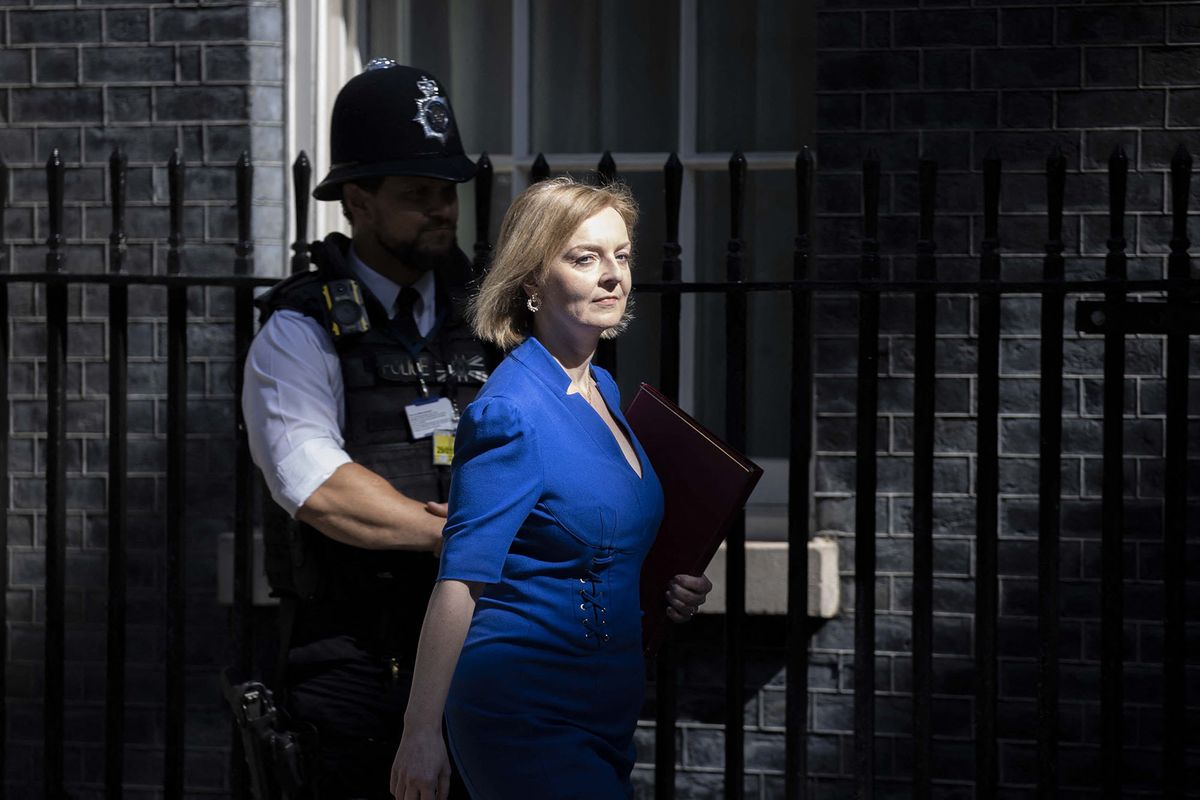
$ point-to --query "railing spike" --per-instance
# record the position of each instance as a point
(175, 183)
(991, 200)
(118, 166)
(1056, 179)
(927, 194)
(301, 179)
(806, 166)
(3, 210)
(1118, 168)
(245, 187)
(737, 193)
(1182, 156)
(54, 196)
(539, 170)
(673, 193)
(483, 211)
(607, 168)
(1181, 179)
(870, 197)
(245, 196)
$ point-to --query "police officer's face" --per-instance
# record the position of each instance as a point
(411, 219)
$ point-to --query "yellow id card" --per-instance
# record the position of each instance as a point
(443, 447)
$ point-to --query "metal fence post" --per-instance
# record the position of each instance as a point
(1050, 428)
(924, 415)
(1112, 644)
(864, 489)
(118, 464)
(176, 488)
(56, 485)
(735, 434)
(1179, 268)
(606, 352)
(987, 487)
(4, 476)
(245, 477)
(666, 677)
(799, 507)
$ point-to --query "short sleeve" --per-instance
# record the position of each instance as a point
(292, 404)
(496, 481)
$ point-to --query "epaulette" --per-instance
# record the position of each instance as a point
(300, 292)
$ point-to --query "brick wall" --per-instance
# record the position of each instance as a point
(206, 78)
(947, 82)
(953, 83)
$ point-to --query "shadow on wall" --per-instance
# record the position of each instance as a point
(701, 658)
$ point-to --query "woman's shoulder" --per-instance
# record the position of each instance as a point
(508, 392)
(493, 412)
(509, 379)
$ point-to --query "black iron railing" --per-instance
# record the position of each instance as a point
(1177, 317)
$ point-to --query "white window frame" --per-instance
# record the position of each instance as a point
(326, 47)
(323, 51)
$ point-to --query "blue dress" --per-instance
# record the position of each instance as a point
(546, 511)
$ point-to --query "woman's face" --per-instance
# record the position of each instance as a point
(586, 285)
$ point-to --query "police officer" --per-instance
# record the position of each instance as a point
(356, 374)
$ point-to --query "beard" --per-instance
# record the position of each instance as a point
(420, 253)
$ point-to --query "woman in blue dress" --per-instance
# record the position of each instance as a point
(531, 646)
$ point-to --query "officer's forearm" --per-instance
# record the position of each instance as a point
(357, 507)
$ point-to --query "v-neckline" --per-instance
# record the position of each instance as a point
(640, 472)
(534, 355)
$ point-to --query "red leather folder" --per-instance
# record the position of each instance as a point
(705, 483)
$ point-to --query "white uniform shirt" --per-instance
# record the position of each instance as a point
(293, 398)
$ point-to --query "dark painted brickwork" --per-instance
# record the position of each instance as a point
(149, 77)
(952, 83)
(949, 81)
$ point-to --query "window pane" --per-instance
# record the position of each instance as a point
(770, 229)
(468, 46)
(756, 75)
(604, 75)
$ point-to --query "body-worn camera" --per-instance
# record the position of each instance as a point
(347, 311)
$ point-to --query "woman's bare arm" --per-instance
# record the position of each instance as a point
(421, 766)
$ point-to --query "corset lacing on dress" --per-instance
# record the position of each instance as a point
(594, 615)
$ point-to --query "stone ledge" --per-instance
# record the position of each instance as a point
(766, 579)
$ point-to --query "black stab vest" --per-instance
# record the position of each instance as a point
(379, 597)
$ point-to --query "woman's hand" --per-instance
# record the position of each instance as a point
(421, 770)
(685, 595)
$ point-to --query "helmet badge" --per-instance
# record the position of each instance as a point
(433, 113)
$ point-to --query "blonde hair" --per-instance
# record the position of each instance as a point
(536, 226)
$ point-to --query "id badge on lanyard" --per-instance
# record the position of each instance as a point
(433, 416)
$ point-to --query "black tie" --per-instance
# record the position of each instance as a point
(405, 322)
